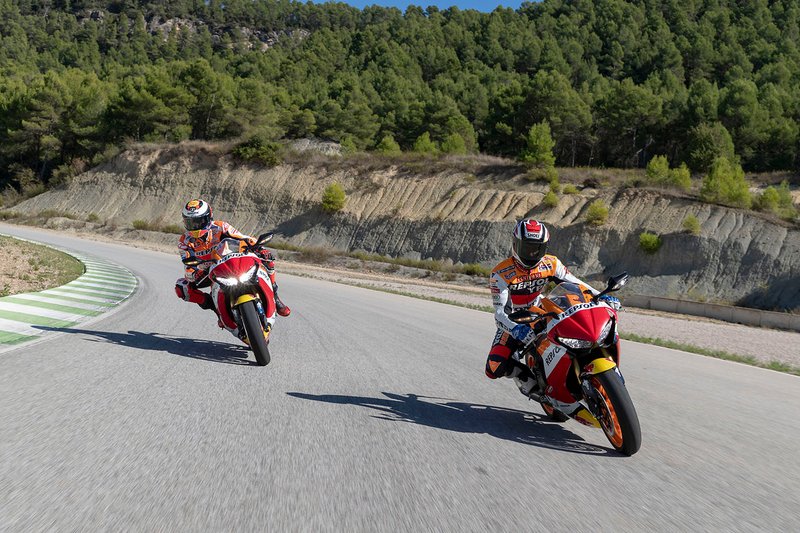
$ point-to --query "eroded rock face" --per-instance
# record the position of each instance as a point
(738, 257)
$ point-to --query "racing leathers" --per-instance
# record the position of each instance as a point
(196, 277)
(514, 288)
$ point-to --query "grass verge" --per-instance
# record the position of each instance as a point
(27, 267)
(717, 354)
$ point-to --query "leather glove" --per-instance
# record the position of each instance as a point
(612, 301)
(520, 332)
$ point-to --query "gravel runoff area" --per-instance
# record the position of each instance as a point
(761, 343)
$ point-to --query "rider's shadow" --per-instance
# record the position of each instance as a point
(509, 424)
(204, 350)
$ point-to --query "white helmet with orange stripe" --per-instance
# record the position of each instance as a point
(196, 217)
(529, 243)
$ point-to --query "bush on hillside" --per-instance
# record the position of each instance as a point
(649, 242)
(691, 225)
(333, 198)
(725, 183)
(259, 150)
(570, 189)
(550, 199)
(658, 173)
(388, 146)
(424, 144)
(597, 213)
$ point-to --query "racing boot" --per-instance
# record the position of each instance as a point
(525, 381)
(208, 303)
(280, 307)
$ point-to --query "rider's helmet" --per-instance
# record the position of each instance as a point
(196, 218)
(529, 243)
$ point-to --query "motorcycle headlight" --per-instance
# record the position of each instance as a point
(227, 281)
(605, 331)
(575, 344)
(249, 274)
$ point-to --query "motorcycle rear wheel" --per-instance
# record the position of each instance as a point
(617, 416)
(255, 332)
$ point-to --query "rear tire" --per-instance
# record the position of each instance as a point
(255, 332)
(618, 417)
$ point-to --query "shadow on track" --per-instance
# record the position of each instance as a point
(204, 350)
(509, 424)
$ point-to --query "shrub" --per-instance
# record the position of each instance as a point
(333, 198)
(475, 269)
(555, 186)
(659, 173)
(92, 217)
(597, 214)
(550, 199)
(691, 225)
(547, 175)
(388, 146)
(570, 189)
(649, 242)
(172, 228)
(454, 144)
(425, 145)
(141, 224)
(539, 146)
(777, 201)
(259, 150)
(315, 254)
(725, 183)
(348, 144)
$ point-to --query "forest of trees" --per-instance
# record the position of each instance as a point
(617, 81)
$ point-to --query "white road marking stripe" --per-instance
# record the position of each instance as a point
(65, 292)
(36, 298)
(38, 311)
(19, 327)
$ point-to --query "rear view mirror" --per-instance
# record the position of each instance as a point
(615, 283)
(264, 238)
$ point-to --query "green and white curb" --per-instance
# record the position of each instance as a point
(32, 316)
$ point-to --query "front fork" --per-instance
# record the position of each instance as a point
(237, 316)
(597, 366)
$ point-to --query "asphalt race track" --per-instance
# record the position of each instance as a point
(374, 415)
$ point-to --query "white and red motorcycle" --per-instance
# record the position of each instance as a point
(242, 292)
(575, 357)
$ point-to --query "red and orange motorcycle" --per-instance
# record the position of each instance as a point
(574, 355)
(242, 292)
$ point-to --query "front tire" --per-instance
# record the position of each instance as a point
(255, 332)
(617, 416)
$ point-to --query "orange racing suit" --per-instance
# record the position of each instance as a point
(196, 277)
(513, 288)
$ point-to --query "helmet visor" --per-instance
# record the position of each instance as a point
(197, 223)
(529, 253)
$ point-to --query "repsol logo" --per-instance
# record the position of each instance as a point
(529, 284)
(574, 309)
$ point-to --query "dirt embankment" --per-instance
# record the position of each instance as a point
(465, 215)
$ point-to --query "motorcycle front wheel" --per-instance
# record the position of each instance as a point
(255, 332)
(617, 416)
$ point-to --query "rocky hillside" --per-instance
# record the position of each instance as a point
(466, 215)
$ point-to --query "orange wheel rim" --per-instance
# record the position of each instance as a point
(608, 417)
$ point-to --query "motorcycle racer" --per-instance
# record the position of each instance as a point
(203, 233)
(517, 283)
